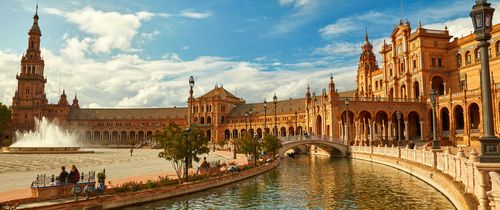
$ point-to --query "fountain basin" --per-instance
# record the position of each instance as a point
(43, 150)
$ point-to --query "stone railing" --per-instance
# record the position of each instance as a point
(480, 179)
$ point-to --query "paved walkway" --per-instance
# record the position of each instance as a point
(18, 171)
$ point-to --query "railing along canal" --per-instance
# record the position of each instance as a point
(480, 179)
(311, 138)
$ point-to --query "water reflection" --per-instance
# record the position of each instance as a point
(310, 182)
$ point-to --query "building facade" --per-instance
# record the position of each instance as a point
(412, 64)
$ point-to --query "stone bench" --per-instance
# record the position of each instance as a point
(57, 191)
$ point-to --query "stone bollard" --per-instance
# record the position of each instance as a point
(446, 166)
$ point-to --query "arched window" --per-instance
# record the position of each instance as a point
(467, 57)
(459, 60)
(402, 69)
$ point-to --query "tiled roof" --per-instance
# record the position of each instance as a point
(348, 93)
(290, 105)
(137, 113)
(218, 91)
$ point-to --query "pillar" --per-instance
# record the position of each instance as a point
(389, 131)
(371, 131)
(407, 136)
(421, 131)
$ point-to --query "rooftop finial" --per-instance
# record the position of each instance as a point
(36, 11)
(419, 23)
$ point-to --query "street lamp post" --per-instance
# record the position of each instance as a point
(347, 119)
(296, 131)
(250, 119)
(246, 121)
(255, 150)
(435, 141)
(275, 129)
(234, 138)
(398, 116)
(265, 116)
(482, 15)
(188, 130)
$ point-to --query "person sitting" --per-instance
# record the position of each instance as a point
(63, 176)
(74, 175)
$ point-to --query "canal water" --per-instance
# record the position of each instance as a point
(315, 182)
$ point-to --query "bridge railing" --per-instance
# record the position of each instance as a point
(480, 179)
(311, 138)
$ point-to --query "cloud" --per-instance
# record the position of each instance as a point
(127, 80)
(188, 14)
(304, 11)
(195, 15)
(109, 30)
(296, 3)
(352, 23)
(339, 27)
(461, 26)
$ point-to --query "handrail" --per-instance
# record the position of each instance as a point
(309, 138)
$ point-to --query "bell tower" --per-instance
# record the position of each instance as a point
(29, 101)
(367, 64)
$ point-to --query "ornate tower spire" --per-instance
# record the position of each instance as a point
(30, 101)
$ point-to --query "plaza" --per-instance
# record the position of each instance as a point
(18, 171)
(425, 101)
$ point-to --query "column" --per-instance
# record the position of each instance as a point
(384, 136)
(371, 123)
(421, 131)
(356, 131)
(407, 136)
(389, 131)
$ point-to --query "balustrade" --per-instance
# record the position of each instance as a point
(476, 178)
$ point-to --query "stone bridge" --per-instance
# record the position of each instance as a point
(336, 147)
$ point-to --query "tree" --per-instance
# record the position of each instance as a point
(173, 142)
(271, 144)
(5, 115)
(248, 144)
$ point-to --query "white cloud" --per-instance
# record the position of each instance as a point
(187, 14)
(109, 30)
(461, 26)
(339, 27)
(195, 15)
(129, 81)
(304, 11)
(355, 22)
(296, 3)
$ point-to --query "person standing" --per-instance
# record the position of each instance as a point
(131, 151)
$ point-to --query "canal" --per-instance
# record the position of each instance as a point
(315, 182)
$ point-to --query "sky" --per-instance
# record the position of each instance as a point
(118, 53)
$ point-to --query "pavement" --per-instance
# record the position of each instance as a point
(17, 171)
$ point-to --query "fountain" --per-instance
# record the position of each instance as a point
(46, 138)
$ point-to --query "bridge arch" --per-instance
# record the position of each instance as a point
(335, 148)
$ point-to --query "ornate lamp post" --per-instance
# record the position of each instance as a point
(250, 119)
(246, 121)
(255, 150)
(234, 137)
(482, 15)
(188, 130)
(347, 119)
(265, 116)
(296, 131)
(435, 141)
(275, 129)
(398, 116)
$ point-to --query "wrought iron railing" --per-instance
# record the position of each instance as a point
(44, 180)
